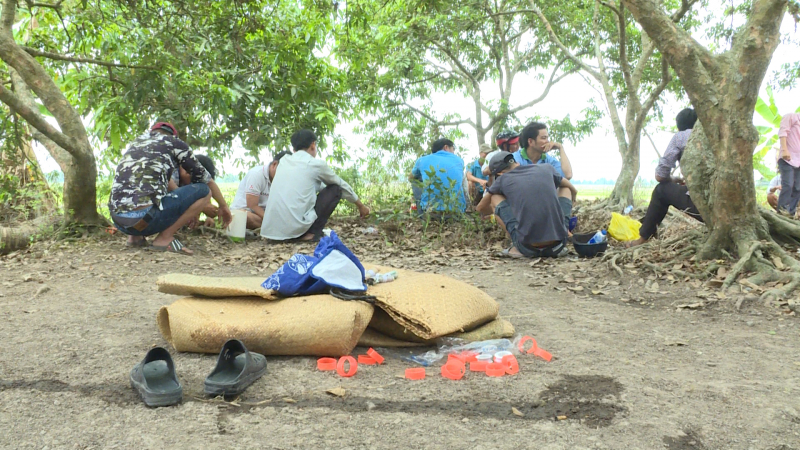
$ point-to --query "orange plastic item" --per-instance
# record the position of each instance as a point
(455, 358)
(375, 355)
(470, 356)
(417, 373)
(544, 354)
(522, 342)
(511, 363)
(367, 360)
(454, 370)
(495, 369)
(325, 364)
(477, 366)
(351, 370)
(535, 350)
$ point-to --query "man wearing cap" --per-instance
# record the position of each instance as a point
(507, 141)
(442, 177)
(523, 198)
(475, 174)
(535, 145)
(304, 193)
(140, 204)
(253, 191)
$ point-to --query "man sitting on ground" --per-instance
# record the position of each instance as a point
(524, 200)
(442, 176)
(670, 191)
(182, 178)
(772, 191)
(534, 147)
(475, 174)
(253, 191)
(294, 210)
(140, 204)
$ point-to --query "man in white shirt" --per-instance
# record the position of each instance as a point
(253, 191)
(298, 206)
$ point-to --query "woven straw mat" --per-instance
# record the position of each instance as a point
(318, 325)
(496, 329)
(431, 305)
(184, 284)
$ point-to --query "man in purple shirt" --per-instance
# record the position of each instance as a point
(670, 191)
(789, 163)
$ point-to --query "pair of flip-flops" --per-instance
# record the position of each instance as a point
(237, 368)
(175, 246)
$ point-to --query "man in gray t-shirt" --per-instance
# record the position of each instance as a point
(525, 201)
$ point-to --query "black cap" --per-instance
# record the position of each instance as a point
(500, 162)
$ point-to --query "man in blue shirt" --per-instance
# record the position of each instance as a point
(534, 147)
(442, 177)
(475, 174)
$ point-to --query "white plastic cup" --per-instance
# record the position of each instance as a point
(238, 225)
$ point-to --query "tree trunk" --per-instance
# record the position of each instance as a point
(80, 170)
(622, 195)
(718, 161)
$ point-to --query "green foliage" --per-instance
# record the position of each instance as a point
(220, 70)
(769, 134)
(401, 53)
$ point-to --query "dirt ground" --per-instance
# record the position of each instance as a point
(639, 362)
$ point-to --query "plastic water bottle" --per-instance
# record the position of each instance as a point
(385, 277)
(598, 237)
(627, 210)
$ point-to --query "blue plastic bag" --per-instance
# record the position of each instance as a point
(333, 265)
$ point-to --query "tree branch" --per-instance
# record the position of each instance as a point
(434, 120)
(666, 77)
(456, 62)
(550, 83)
(35, 119)
(58, 57)
(623, 47)
(559, 44)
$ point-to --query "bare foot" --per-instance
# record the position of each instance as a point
(634, 243)
(307, 237)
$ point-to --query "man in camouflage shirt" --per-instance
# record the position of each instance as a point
(140, 204)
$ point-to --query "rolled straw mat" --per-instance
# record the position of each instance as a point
(496, 329)
(318, 325)
(426, 304)
(184, 284)
(430, 305)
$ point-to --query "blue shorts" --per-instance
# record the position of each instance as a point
(504, 213)
(173, 205)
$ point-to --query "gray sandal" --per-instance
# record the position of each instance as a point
(236, 369)
(155, 380)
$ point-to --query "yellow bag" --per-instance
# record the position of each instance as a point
(623, 228)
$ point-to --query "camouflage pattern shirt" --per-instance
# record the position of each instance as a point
(142, 177)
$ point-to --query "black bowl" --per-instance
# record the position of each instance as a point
(580, 242)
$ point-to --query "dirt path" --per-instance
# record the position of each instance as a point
(631, 370)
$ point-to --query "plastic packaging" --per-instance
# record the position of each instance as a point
(369, 230)
(384, 277)
(238, 226)
(498, 357)
(623, 228)
(454, 370)
(598, 237)
(511, 364)
(627, 210)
